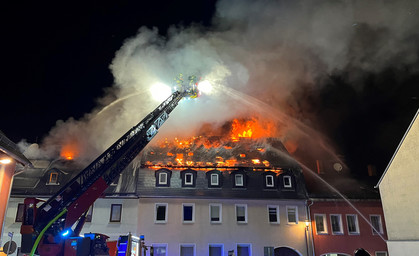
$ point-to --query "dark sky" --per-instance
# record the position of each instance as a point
(56, 65)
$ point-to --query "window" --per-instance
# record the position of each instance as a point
(321, 225)
(215, 213)
(188, 213)
(160, 213)
(53, 178)
(269, 179)
(273, 214)
(214, 179)
(89, 214)
(287, 181)
(160, 249)
(216, 250)
(19, 212)
(268, 251)
(352, 221)
(336, 222)
(380, 253)
(116, 210)
(292, 214)
(244, 250)
(187, 250)
(162, 178)
(376, 223)
(238, 180)
(188, 179)
(241, 213)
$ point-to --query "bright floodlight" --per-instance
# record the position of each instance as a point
(5, 161)
(205, 87)
(160, 91)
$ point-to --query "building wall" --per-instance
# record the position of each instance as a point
(258, 231)
(399, 191)
(348, 243)
(6, 177)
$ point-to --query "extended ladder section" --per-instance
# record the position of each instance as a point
(78, 194)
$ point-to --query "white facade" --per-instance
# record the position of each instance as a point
(256, 233)
(400, 195)
(138, 217)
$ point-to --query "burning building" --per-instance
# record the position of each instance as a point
(231, 188)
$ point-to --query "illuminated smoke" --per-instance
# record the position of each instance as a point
(259, 55)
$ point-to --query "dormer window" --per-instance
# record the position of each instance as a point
(53, 178)
(188, 177)
(163, 178)
(238, 178)
(287, 181)
(269, 179)
(214, 179)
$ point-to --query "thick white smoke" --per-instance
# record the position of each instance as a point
(257, 54)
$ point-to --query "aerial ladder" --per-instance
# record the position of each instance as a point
(45, 228)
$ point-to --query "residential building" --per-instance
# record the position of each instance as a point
(201, 209)
(10, 156)
(399, 193)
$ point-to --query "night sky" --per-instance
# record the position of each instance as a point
(56, 61)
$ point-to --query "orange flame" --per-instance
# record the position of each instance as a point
(250, 129)
(69, 151)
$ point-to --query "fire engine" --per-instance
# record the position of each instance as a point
(46, 230)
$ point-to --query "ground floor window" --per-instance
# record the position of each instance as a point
(244, 250)
(268, 251)
(160, 249)
(187, 250)
(216, 250)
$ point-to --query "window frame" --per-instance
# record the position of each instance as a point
(187, 245)
(357, 232)
(266, 181)
(220, 211)
(270, 248)
(276, 212)
(160, 178)
(161, 245)
(245, 213)
(183, 213)
(380, 228)
(51, 179)
(325, 232)
(296, 214)
(188, 174)
(166, 205)
(113, 206)
(340, 232)
(216, 245)
(20, 209)
(243, 245)
(218, 179)
(237, 175)
(287, 177)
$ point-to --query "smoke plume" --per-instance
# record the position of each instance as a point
(260, 56)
